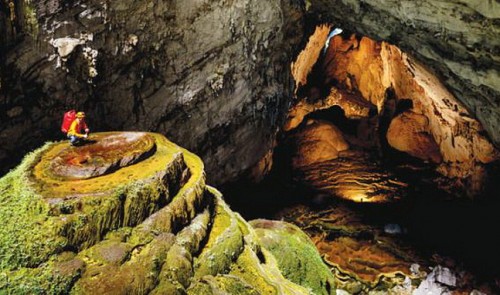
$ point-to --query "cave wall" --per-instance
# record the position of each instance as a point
(214, 75)
(458, 39)
(211, 75)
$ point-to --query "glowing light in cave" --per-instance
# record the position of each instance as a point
(333, 33)
(359, 198)
(368, 194)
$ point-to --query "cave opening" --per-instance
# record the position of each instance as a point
(380, 164)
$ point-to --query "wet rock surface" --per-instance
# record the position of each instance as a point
(102, 154)
(149, 227)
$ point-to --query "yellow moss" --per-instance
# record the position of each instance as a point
(51, 187)
(135, 276)
(134, 231)
(222, 284)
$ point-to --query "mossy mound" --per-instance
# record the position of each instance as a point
(296, 255)
(145, 223)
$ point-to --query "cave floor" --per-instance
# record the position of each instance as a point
(377, 247)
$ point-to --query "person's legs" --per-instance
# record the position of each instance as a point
(74, 140)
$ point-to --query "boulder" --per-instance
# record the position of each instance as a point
(318, 141)
(408, 132)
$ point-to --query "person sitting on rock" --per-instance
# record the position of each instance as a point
(75, 135)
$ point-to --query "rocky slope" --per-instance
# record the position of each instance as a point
(212, 75)
(147, 226)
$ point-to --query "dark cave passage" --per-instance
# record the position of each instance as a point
(362, 162)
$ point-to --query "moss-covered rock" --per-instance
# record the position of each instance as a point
(296, 255)
(133, 217)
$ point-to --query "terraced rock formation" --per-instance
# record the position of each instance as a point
(130, 213)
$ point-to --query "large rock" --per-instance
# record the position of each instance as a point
(408, 133)
(212, 75)
(148, 227)
(317, 142)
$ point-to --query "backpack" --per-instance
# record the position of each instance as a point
(68, 118)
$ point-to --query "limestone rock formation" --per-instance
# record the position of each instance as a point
(457, 39)
(148, 226)
(211, 75)
(377, 72)
(408, 133)
(355, 176)
(362, 258)
(318, 141)
(219, 70)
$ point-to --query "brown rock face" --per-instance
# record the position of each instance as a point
(408, 133)
(211, 75)
(437, 127)
(376, 68)
(317, 142)
(456, 39)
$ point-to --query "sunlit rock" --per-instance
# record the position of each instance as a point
(456, 39)
(352, 105)
(129, 213)
(308, 57)
(318, 141)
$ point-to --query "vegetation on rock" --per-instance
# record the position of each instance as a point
(148, 226)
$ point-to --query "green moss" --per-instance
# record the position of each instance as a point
(145, 228)
(297, 257)
(54, 277)
(30, 19)
(225, 242)
(25, 238)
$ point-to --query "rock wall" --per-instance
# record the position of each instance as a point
(458, 39)
(435, 126)
(212, 75)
